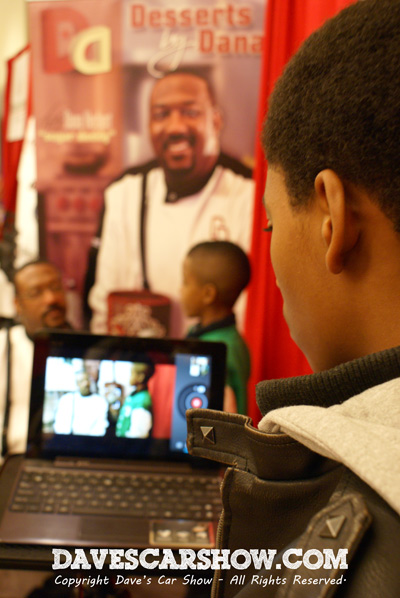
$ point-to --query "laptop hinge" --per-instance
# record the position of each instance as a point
(116, 465)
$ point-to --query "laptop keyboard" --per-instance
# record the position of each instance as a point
(110, 493)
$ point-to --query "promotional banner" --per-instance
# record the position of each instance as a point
(76, 75)
(95, 63)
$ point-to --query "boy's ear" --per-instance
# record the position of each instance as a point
(141, 377)
(340, 230)
(209, 293)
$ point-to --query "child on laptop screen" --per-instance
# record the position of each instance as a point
(135, 419)
(214, 275)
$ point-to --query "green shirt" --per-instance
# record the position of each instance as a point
(136, 400)
(237, 358)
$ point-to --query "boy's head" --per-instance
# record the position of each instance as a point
(141, 372)
(214, 274)
(333, 186)
(337, 106)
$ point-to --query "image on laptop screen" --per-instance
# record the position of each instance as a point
(124, 398)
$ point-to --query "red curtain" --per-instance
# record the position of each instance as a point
(274, 355)
(11, 150)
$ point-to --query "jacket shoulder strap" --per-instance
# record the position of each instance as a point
(329, 542)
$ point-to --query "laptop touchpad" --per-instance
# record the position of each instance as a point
(115, 530)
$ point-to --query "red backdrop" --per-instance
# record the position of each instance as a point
(11, 150)
(274, 355)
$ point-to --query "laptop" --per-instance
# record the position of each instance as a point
(107, 463)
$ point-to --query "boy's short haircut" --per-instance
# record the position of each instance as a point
(337, 106)
(150, 367)
(234, 268)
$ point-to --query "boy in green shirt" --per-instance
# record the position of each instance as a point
(135, 418)
(214, 275)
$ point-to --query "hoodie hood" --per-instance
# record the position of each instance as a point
(362, 433)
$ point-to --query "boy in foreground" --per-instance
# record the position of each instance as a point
(214, 275)
(323, 472)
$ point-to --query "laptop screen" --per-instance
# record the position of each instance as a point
(120, 396)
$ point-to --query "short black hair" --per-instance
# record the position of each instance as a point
(230, 270)
(149, 363)
(337, 106)
(200, 73)
(36, 262)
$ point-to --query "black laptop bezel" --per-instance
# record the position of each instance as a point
(79, 344)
